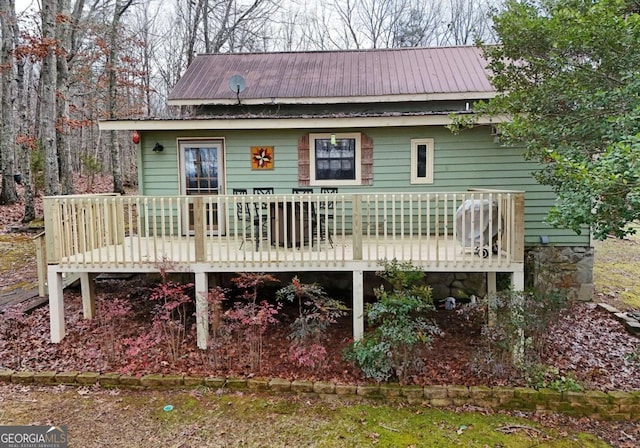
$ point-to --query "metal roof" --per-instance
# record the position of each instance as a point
(403, 74)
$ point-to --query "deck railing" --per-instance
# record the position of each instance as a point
(285, 230)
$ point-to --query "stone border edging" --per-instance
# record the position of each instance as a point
(594, 404)
(630, 323)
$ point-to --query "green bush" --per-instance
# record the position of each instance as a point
(400, 332)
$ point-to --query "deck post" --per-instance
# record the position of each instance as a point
(202, 309)
(88, 288)
(52, 229)
(517, 240)
(358, 305)
(56, 305)
(41, 263)
(517, 281)
(198, 228)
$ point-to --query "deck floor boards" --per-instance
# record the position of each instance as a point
(231, 255)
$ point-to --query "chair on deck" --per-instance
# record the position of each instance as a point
(314, 216)
(261, 216)
(243, 215)
(326, 214)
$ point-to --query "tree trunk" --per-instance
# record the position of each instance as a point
(48, 102)
(25, 146)
(23, 90)
(8, 193)
(62, 100)
(114, 146)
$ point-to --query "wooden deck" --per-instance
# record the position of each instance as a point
(88, 235)
(147, 254)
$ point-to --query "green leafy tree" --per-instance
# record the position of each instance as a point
(567, 74)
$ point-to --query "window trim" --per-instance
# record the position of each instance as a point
(428, 179)
(335, 182)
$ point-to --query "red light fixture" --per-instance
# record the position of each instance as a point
(135, 138)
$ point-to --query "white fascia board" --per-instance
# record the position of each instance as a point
(286, 123)
(465, 96)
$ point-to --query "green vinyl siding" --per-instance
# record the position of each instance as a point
(470, 159)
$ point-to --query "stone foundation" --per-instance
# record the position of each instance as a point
(560, 269)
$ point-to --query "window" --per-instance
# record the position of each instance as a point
(422, 161)
(335, 159)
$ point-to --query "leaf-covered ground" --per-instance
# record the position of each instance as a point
(585, 343)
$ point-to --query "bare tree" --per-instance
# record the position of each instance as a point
(26, 142)
(119, 9)
(381, 23)
(468, 21)
(67, 25)
(346, 33)
(145, 30)
(420, 25)
(8, 193)
(48, 78)
(320, 33)
(380, 18)
(286, 33)
(232, 24)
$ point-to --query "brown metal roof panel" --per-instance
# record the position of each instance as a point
(430, 73)
(313, 74)
(459, 66)
(457, 82)
(342, 73)
(403, 68)
(473, 66)
(423, 68)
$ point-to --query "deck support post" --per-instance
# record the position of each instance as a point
(202, 309)
(517, 281)
(56, 305)
(358, 305)
(492, 291)
(88, 288)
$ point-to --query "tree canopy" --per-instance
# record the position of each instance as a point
(568, 78)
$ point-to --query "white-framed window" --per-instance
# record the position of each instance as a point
(422, 161)
(335, 159)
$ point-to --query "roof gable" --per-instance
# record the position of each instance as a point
(390, 75)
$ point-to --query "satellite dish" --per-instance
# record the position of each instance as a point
(237, 84)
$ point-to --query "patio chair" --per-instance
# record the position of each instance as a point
(314, 216)
(261, 216)
(326, 214)
(243, 215)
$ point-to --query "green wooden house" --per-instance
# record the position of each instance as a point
(362, 135)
